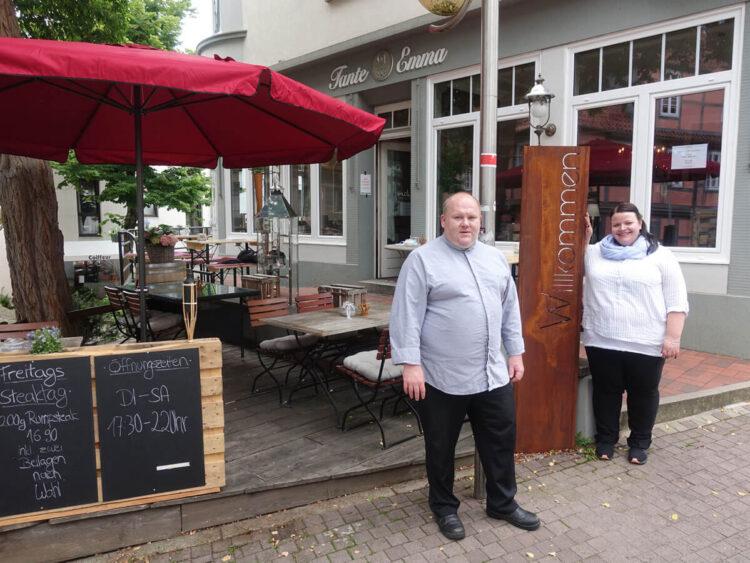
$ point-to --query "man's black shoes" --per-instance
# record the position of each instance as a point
(520, 518)
(451, 526)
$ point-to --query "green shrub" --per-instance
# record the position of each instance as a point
(46, 341)
(6, 300)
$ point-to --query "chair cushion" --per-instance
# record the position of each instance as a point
(367, 365)
(289, 343)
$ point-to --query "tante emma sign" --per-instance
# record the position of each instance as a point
(383, 64)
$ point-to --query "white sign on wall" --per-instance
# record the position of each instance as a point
(365, 184)
(687, 157)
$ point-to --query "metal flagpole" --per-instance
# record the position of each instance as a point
(141, 238)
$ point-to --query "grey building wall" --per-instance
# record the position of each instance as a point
(360, 223)
(541, 24)
(718, 324)
(419, 156)
(738, 280)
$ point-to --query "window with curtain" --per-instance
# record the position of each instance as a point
(89, 214)
(512, 136)
(331, 202)
(455, 163)
(238, 199)
(299, 196)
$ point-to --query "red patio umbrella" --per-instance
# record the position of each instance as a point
(138, 105)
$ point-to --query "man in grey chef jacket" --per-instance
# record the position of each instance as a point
(455, 305)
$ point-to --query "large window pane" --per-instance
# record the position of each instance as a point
(398, 195)
(476, 92)
(716, 46)
(461, 95)
(442, 99)
(505, 87)
(608, 131)
(238, 202)
(524, 82)
(512, 136)
(401, 117)
(679, 53)
(586, 78)
(687, 155)
(89, 216)
(299, 196)
(455, 152)
(331, 200)
(647, 60)
(615, 66)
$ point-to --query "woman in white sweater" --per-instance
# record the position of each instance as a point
(634, 309)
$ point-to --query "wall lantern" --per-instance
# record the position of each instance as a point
(539, 100)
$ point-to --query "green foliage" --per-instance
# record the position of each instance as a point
(148, 22)
(100, 328)
(585, 447)
(6, 300)
(178, 188)
(46, 341)
(157, 22)
(97, 21)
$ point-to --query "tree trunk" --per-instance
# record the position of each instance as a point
(34, 243)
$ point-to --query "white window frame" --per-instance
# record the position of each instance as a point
(435, 124)
(285, 181)
(672, 108)
(395, 132)
(644, 115)
(315, 237)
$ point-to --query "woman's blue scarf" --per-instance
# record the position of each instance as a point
(613, 250)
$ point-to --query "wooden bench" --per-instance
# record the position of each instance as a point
(219, 269)
(21, 330)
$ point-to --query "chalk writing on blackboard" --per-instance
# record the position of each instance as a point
(151, 430)
(46, 435)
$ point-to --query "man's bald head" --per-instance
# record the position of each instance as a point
(461, 219)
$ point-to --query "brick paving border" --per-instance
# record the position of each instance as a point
(690, 502)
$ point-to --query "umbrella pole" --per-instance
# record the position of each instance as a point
(141, 241)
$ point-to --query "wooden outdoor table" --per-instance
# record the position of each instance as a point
(329, 323)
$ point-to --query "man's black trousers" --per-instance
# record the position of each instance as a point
(493, 420)
(614, 372)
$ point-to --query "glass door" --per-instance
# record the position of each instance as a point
(394, 204)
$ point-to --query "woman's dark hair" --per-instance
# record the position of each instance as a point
(627, 207)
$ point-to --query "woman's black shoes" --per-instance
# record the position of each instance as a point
(520, 518)
(637, 456)
(451, 527)
(605, 452)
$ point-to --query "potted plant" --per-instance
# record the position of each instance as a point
(45, 341)
(160, 242)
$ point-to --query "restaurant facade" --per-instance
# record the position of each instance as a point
(654, 89)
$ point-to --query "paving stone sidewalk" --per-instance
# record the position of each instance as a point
(690, 502)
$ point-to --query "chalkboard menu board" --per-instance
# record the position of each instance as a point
(150, 423)
(47, 455)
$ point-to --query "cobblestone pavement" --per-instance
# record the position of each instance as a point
(690, 502)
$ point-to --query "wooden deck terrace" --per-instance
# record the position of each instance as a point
(277, 457)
